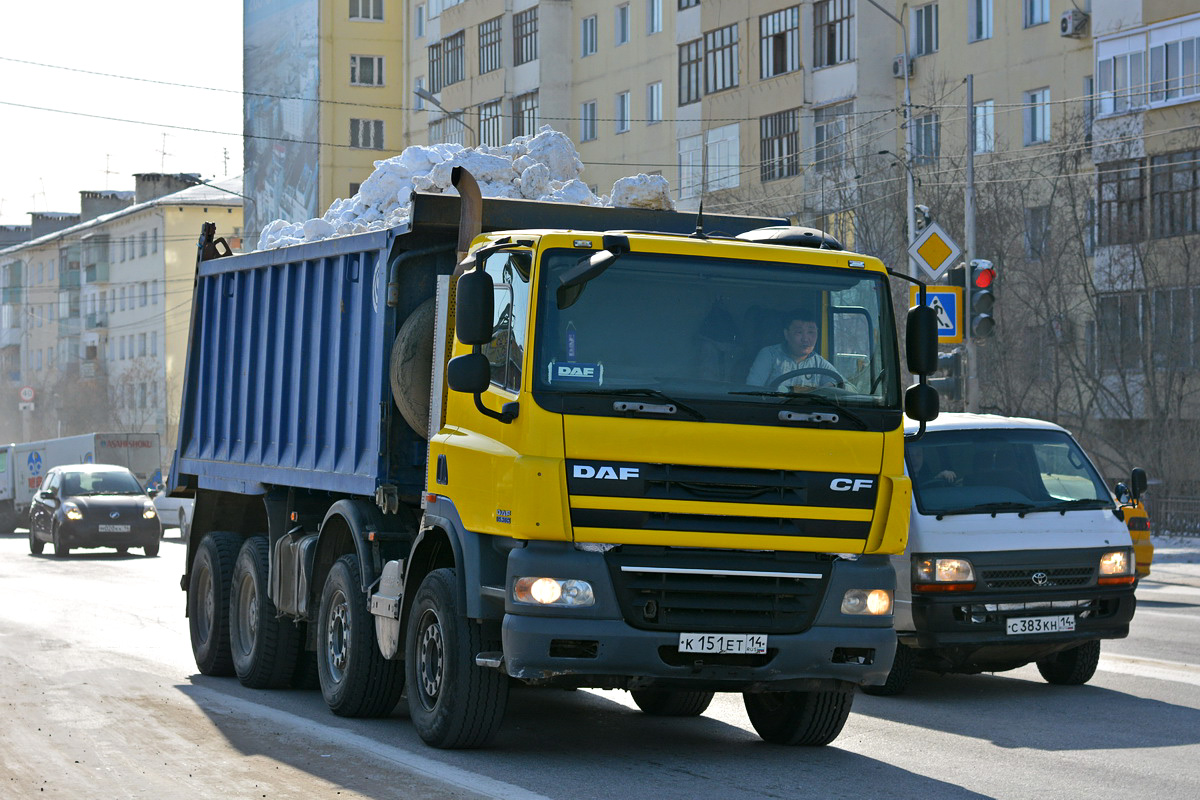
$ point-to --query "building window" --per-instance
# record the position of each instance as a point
(1174, 329)
(491, 123)
(779, 42)
(925, 30)
(691, 58)
(366, 133)
(1122, 202)
(154, 240)
(979, 20)
(721, 59)
(1037, 231)
(621, 26)
(654, 102)
(691, 166)
(454, 65)
(419, 86)
(366, 70)
(419, 20)
(1173, 70)
(1037, 12)
(779, 140)
(654, 20)
(831, 130)
(490, 45)
(142, 244)
(724, 164)
(1175, 194)
(587, 121)
(525, 114)
(985, 126)
(622, 112)
(1122, 81)
(1119, 331)
(525, 38)
(587, 36)
(833, 26)
(688, 4)
(367, 9)
(1037, 116)
(449, 130)
(926, 139)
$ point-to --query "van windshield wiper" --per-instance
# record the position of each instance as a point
(640, 392)
(1080, 504)
(990, 508)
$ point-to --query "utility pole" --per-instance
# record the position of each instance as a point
(971, 384)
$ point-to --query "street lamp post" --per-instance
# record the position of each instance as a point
(427, 96)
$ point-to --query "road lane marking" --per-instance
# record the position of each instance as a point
(357, 743)
(1151, 668)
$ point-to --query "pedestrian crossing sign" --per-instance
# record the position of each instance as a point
(947, 302)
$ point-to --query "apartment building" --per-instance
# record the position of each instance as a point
(94, 314)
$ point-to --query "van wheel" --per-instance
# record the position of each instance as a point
(900, 675)
(666, 703)
(263, 645)
(1072, 667)
(208, 602)
(799, 718)
(356, 680)
(454, 703)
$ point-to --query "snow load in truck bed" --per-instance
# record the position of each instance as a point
(543, 167)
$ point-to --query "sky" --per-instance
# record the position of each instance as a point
(51, 149)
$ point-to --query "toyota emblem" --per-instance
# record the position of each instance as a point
(114, 514)
(1040, 579)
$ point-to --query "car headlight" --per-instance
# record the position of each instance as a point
(874, 602)
(943, 575)
(1116, 567)
(553, 592)
(149, 512)
(71, 511)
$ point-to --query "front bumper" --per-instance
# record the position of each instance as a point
(82, 533)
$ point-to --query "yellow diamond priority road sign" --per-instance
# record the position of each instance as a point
(935, 251)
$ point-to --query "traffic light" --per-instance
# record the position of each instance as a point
(948, 379)
(921, 217)
(983, 298)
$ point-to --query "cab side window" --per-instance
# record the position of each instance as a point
(506, 351)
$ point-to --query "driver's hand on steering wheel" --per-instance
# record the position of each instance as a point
(797, 388)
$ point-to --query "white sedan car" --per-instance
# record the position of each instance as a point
(174, 512)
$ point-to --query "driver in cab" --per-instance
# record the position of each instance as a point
(796, 353)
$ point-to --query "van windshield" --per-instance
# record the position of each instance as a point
(1010, 470)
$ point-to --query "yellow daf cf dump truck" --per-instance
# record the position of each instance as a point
(519, 441)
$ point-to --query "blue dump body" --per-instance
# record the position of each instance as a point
(287, 380)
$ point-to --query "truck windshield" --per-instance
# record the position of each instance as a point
(1002, 470)
(719, 339)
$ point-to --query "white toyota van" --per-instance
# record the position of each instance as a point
(1017, 553)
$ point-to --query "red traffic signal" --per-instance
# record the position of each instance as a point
(983, 298)
(983, 277)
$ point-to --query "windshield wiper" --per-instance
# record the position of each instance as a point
(810, 399)
(1080, 504)
(990, 508)
(646, 393)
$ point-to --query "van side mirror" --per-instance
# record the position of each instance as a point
(921, 340)
(474, 308)
(1122, 493)
(1137, 479)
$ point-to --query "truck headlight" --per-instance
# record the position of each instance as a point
(553, 592)
(874, 602)
(148, 512)
(71, 511)
(1116, 567)
(943, 575)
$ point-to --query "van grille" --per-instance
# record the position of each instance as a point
(1026, 577)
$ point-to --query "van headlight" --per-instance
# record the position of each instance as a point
(943, 575)
(553, 592)
(1116, 567)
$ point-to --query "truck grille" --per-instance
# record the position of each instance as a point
(711, 592)
(1037, 578)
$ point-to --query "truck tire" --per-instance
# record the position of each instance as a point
(208, 602)
(411, 367)
(356, 680)
(1073, 667)
(36, 545)
(799, 718)
(900, 675)
(667, 703)
(453, 702)
(263, 645)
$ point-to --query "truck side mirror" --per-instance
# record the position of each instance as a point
(470, 373)
(921, 340)
(1137, 479)
(474, 308)
(921, 402)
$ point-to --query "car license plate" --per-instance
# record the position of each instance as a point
(114, 529)
(1020, 625)
(722, 643)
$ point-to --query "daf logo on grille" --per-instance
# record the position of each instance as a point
(114, 514)
(1040, 579)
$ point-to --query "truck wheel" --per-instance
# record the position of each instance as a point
(36, 545)
(208, 602)
(900, 675)
(60, 550)
(356, 680)
(666, 703)
(262, 644)
(412, 367)
(791, 718)
(1073, 667)
(453, 703)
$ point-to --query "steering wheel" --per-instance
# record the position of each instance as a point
(839, 382)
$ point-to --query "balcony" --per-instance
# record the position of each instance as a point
(10, 337)
(96, 320)
(96, 273)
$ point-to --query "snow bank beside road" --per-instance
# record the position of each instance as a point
(543, 167)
